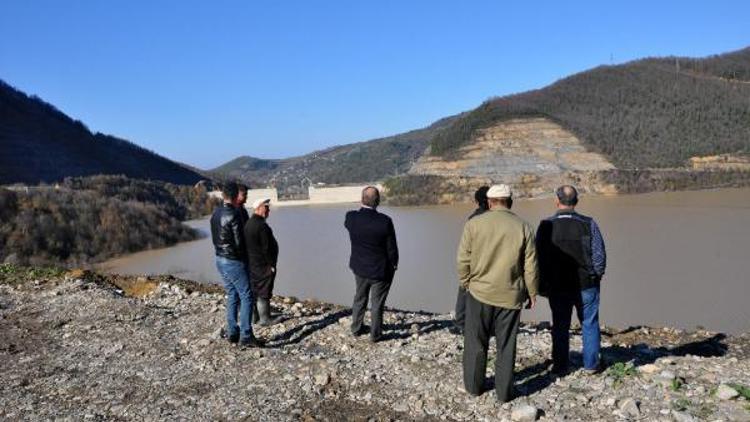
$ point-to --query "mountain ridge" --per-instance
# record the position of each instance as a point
(41, 144)
(655, 112)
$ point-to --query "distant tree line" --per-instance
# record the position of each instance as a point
(648, 113)
(178, 201)
(91, 219)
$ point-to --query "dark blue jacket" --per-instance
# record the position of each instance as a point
(374, 251)
(570, 252)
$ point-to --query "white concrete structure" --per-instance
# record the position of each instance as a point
(335, 195)
(253, 194)
(319, 195)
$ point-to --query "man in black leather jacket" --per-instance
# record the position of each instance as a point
(226, 233)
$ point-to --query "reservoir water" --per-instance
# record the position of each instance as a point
(674, 259)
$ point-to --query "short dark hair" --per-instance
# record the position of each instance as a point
(371, 196)
(568, 195)
(230, 190)
(481, 197)
(241, 187)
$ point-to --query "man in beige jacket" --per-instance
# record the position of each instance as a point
(497, 266)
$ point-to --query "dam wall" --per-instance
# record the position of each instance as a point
(316, 195)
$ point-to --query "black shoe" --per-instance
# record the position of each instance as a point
(364, 329)
(234, 339)
(559, 371)
(456, 330)
(252, 342)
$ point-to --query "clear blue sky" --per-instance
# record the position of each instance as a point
(206, 81)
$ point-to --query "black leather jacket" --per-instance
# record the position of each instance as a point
(226, 232)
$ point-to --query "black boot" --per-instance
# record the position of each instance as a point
(256, 317)
(264, 311)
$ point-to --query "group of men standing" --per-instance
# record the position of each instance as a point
(246, 256)
(502, 266)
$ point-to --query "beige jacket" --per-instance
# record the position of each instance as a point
(497, 259)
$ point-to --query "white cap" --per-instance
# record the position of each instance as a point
(499, 191)
(261, 201)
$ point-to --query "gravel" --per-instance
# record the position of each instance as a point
(82, 348)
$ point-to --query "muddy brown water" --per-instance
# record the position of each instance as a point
(674, 259)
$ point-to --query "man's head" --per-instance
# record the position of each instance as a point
(567, 197)
(370, 197)
(262, 207)
(229, 192)
(480, 197)
(242, 195)
(500, 196)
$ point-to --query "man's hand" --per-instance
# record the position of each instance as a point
(532, 302)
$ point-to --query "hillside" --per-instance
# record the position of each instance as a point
(650, 113)
(89, 219)
(39, 143)
(602, 129)
(353, 163)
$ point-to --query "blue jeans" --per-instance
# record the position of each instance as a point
(587, 308)
(239, 296)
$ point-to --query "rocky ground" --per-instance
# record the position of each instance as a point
(82, 346)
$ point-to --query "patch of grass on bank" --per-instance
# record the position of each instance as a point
(742, 389)
(10, 273)
(620, 370)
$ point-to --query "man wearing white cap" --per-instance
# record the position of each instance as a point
(497, 265)
(262, 255)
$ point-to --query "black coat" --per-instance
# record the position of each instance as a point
(564, 254)
(262, 248)
(226, 233)
(374, 251)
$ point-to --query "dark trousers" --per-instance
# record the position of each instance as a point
(379, 290)
(263, 286)
(482, 320)
(460, 308)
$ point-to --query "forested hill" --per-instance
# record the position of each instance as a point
(39, 143)
(655, 112)
(359, 162)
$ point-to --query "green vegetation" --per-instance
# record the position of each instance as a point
(10, 273)
(620, 370)
(648, 113)
(676, 384)
(742, 389)
(38, 143)
(682, 404)
(91, 219)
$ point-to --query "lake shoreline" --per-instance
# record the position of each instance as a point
(152, 346)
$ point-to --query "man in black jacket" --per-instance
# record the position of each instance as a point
(572, 261)
(226, 233)
(262, 256)
(374, 259)
(241, 200)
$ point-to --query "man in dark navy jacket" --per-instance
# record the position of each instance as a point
(373, 260)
